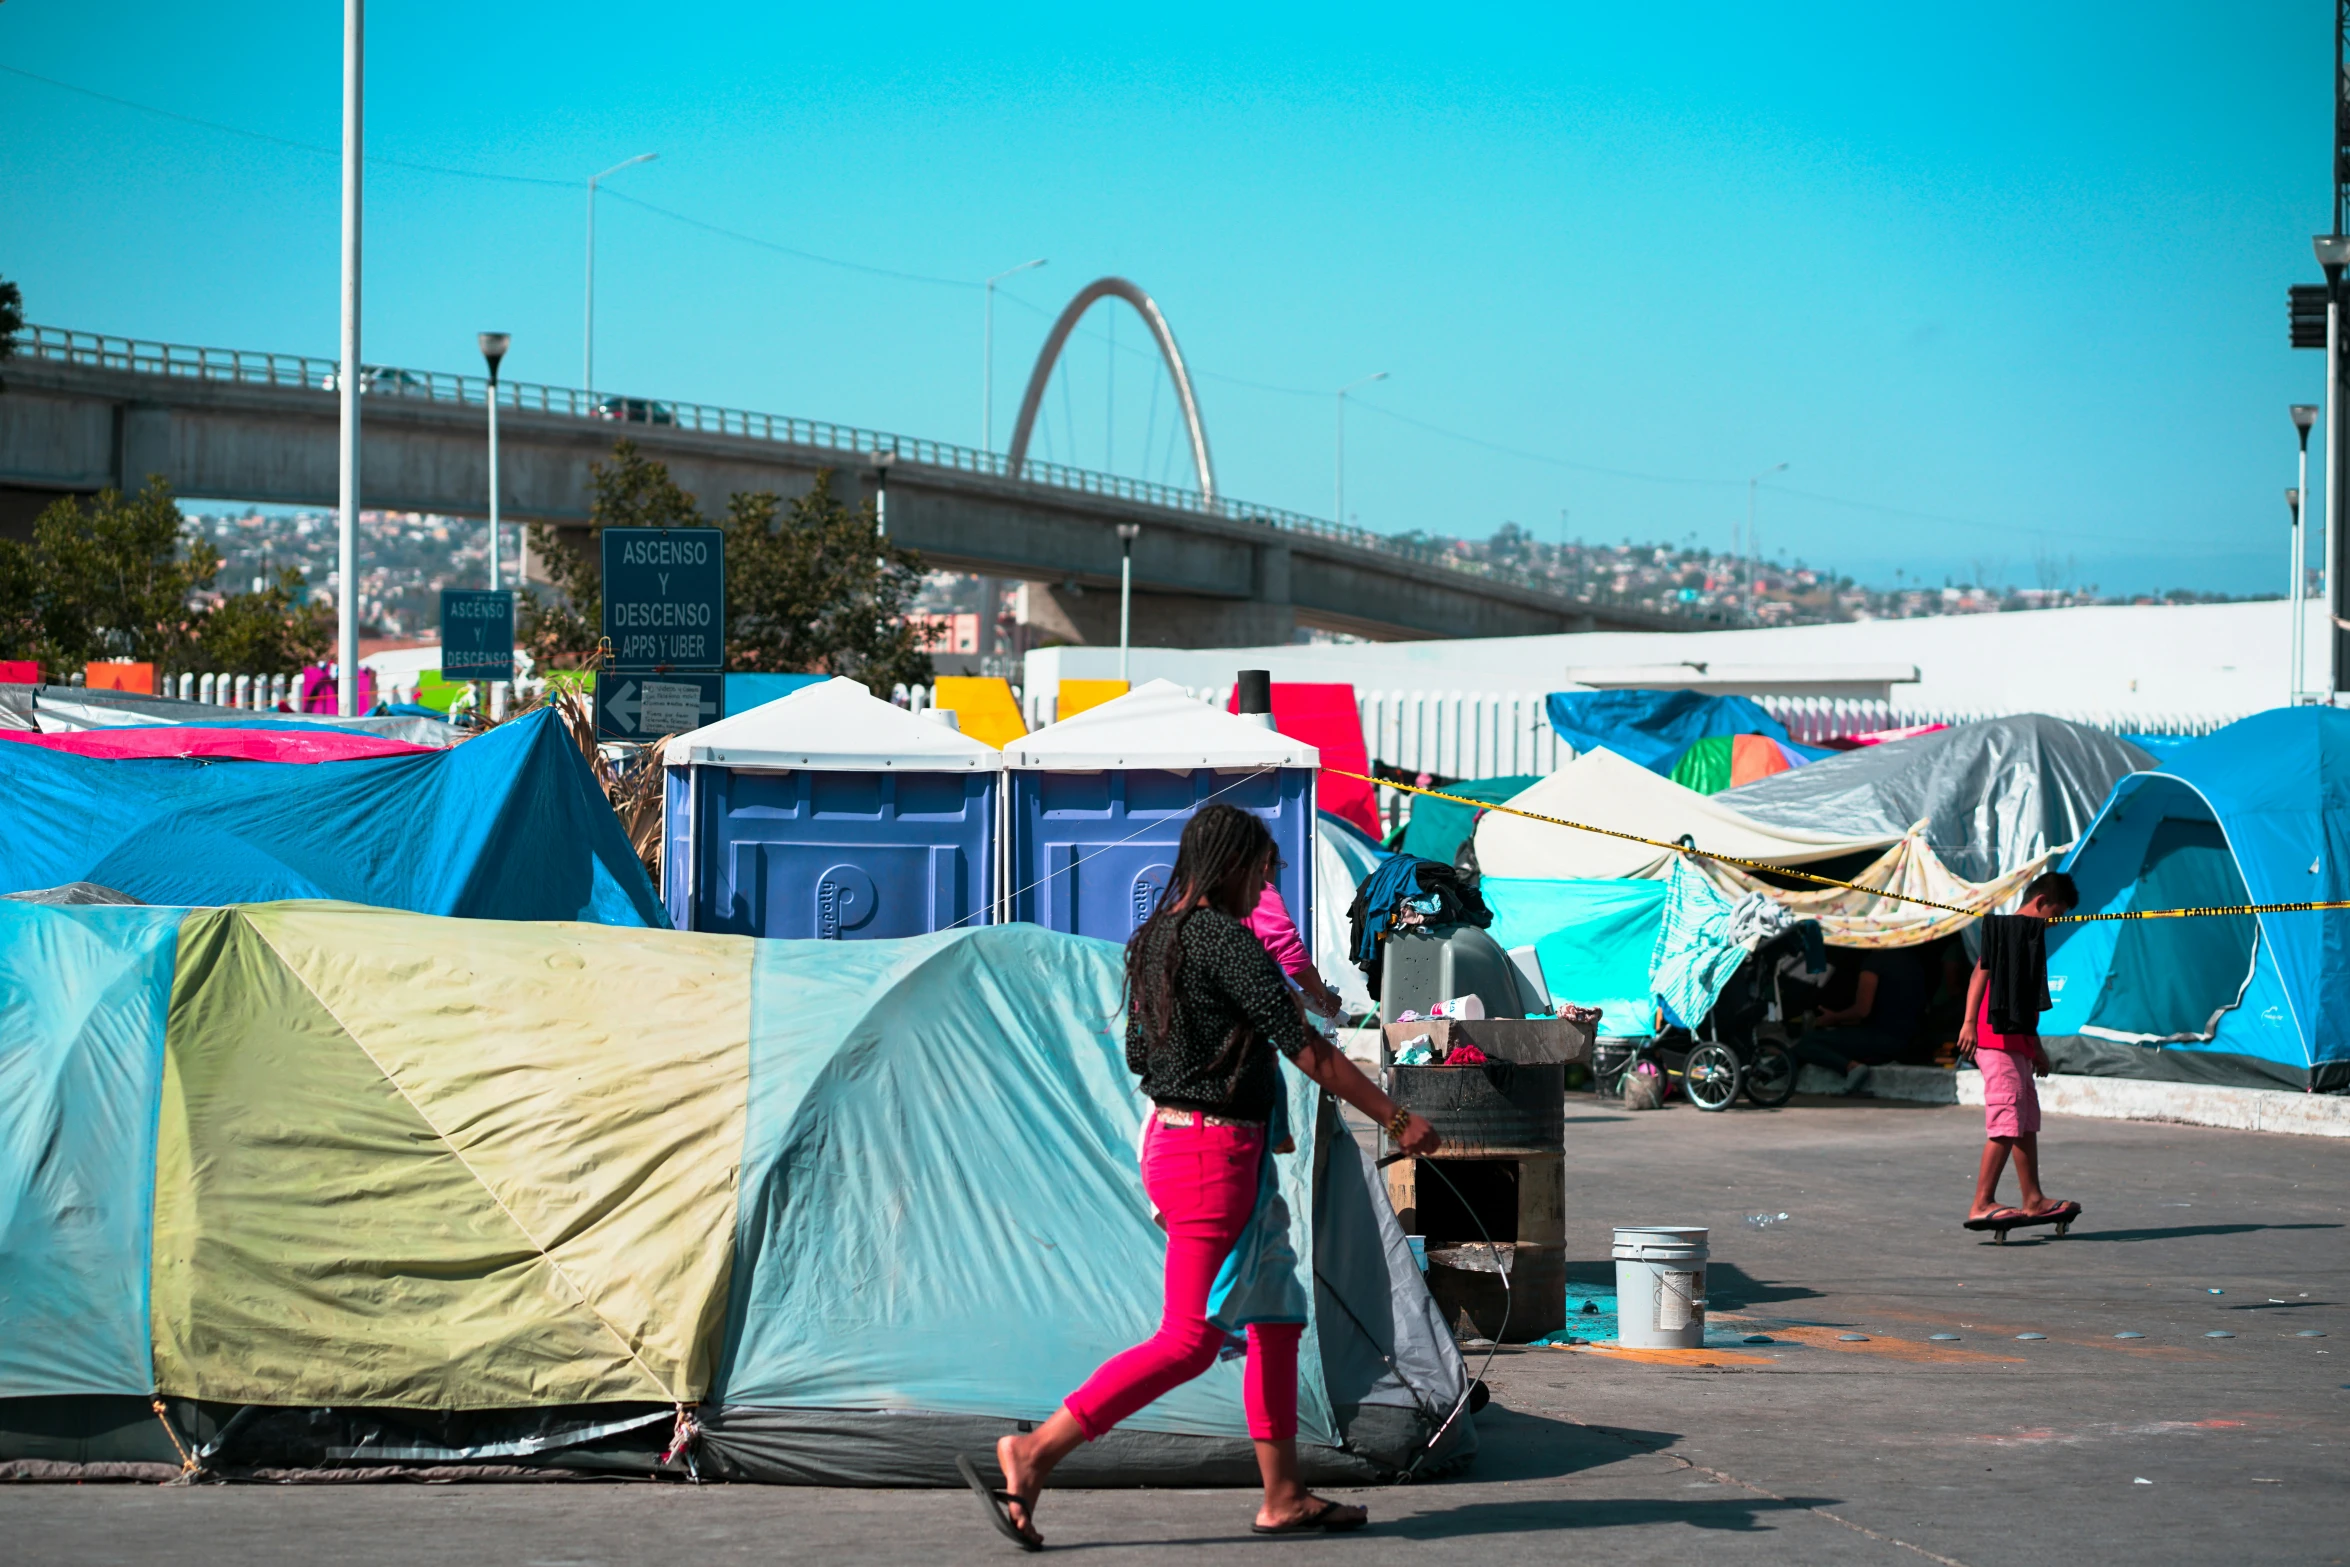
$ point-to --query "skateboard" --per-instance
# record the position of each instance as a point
(2062, 1217)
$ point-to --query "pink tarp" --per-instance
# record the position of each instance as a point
(248, 745)
(1324, 717)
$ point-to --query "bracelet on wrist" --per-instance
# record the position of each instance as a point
(1399, 1123)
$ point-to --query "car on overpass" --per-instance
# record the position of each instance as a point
(634, 410)
(382, 378)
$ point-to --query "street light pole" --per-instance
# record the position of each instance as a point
(1128, 532)
(1754, 555)
(1339, 486)
(493, 349)
(2333, 254)
(987, 354)
(2304, 415)
(347, 378)
(587, 362)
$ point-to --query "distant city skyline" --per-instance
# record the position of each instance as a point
(2009, 289)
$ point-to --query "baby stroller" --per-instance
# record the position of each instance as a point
(1740, 1046)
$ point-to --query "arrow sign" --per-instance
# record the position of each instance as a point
(647, 707)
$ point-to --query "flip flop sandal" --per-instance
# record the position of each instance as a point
(1999, 1218)
(998, 1505)
(1316, 1522)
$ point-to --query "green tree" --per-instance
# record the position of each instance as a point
(811, 587)
(112, 577)
(276, 631)
(11, 316)
(814, 588)
(630, 491)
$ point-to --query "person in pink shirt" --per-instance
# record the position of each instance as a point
(1277, 933)
(2009, 1062)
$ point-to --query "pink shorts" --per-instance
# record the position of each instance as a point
(2011, 1103)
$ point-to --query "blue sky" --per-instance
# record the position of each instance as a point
(2003, 286)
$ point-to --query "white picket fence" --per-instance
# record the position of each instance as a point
(266, 693)
(1490, 734)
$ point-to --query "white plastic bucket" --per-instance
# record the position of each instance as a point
(1660, 1286)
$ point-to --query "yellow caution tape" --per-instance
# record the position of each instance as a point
(1830, 881)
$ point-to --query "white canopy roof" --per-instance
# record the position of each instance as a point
(1155, 726)
(1604, 790)
(839, 726)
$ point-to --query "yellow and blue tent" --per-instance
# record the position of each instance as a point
(321, 1187)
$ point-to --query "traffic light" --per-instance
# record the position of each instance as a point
(2306, 305)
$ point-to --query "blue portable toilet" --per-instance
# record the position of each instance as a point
(1099, 801)
(829, 814)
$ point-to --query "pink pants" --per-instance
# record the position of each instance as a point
(1204, 1181)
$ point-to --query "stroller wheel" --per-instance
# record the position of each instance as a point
(1711, 1077)
(1770, 1075)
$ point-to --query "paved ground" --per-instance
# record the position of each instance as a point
(2081, 1448)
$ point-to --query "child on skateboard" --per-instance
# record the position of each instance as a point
(2001, 1035)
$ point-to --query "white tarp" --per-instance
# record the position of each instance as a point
(1604, 790)
(1156, 725)
(838, 726)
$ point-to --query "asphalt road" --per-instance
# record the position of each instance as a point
(1991, 1450)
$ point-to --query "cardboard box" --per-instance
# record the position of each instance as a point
(1534, 1041)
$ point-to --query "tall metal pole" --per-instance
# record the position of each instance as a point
(493, 349)
(2329, 249)
(2293, 603)
(987, 354)
(347, 380)
(2303, 417)
(1338, 485)
(1128, 532)
(587, 360)
(2333, 251)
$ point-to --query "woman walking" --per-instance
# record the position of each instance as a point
(1206, 1009)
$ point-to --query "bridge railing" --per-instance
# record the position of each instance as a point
(296, 370)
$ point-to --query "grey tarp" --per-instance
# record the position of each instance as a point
(1994, 795)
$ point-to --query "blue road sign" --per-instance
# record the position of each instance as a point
(665, 598)
(477, 634)
(646, 707)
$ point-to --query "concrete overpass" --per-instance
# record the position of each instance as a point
(79, 413)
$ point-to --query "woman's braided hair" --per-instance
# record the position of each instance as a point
(1222, 859)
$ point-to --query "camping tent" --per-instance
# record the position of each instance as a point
(1720, 762)
(2257, 813)
(1602, 789)
(1654, 727)
(509, 825)
(1994, 795)
(1438, 828)
(415, 1191)
(1343, 855)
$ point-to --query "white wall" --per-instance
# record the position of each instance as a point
(2217, 660)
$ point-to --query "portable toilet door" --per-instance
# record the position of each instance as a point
(829, 814)
(1099, 801)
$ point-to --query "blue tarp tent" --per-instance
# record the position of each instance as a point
(1654, 727)
(2257, 813)
(1592, 939)
(510, 825)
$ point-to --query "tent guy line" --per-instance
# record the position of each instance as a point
(1099, 849)
(2217, 910)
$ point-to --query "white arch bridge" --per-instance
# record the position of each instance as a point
(81, 412)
